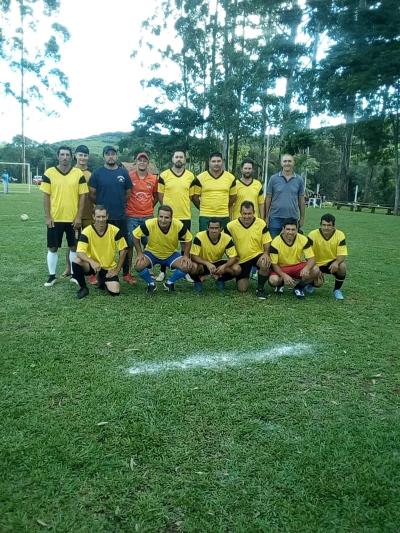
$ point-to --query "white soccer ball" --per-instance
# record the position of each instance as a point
(24, 217)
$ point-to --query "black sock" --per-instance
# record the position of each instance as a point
(163, 269)
(262, 280)
(125, 266)
(79, 275)
(338, 282)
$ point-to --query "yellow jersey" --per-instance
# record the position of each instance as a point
(252, 192)
(177, 191)
(102, 248)
(326, 250)
(249, 242)
(162, 244)
(213, 252)
(284, 254)
(214, 193)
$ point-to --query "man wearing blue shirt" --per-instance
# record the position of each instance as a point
(285, 197)
(6, 179)
(110, 185)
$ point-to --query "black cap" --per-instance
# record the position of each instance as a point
(109, 148)
(82, 148)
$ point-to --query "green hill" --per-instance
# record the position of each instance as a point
(96, 143)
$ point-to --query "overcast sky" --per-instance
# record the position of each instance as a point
(104, 80)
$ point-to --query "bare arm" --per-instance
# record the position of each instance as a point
(262, 210)
(47, 209)
(77, 222)
(196, 200)
(114, 271)
(92, 195)
(127, 195)
(160, 197)
(84, 257)
(267, 206)
(197, 259)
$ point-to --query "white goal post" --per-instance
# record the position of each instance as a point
(26, 183)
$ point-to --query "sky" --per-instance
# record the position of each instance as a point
(104, 81)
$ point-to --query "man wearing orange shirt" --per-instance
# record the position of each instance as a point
(143, 198)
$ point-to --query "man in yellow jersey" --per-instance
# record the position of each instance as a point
(97, 247)
(65, 190)
(292, 260)
(164, 234)
(330, 249)
(251, 238)
(250, 189)
(214, 192)
(207, 253)
(176, 189)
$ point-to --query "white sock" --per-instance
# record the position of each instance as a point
(52, 258)
(72, 256)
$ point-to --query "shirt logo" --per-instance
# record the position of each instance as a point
(121, 179)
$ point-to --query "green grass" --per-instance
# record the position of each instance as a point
(306, 443)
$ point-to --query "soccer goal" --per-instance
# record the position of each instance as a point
(21, 184)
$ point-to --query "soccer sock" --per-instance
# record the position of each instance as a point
(262, 280)
(52, 258)
(125, 266)
(339, 282)
(79, 275)
(146, 276)
(163, 268)
(72, 256)
(176, 276)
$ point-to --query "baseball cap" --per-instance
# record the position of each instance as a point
(109, 148)
(143, 154)
(82, 148)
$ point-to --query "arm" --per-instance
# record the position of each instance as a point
(336, 263)
(287, 280)
(96, 266)
(221, 269)
(265, 259)
(302, 209)
(92, 195)
(306, 270)
(262, 210)
(197, 259)
(232, 200)
(127, 195)
(47, 209)
(77, 222)
(186, 262)
(160, 198)
(267, 206)
(196, 200)
(114, 271)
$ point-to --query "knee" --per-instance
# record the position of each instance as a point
(274, 280)
(236, 270)
(342, 269)
(53, 250)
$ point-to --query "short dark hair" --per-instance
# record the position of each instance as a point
(182, 150)
(64, 147)
(100, 207)
(328, 218)
(247, 204)
(214, 220)
(248, 161)
(166, 208)
(215, 154)
(289, 222)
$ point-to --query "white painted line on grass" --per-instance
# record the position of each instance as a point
(220, 360)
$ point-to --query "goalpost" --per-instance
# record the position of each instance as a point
(26, 183)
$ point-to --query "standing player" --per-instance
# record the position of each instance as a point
(64, 191)
(207, 253)
(110, 185)
(142, 200)
(249, 189)
(176, 189)
(96, 251)
(164, 234)
(251, 238)
(292, 260)
(330, 249)
(215, 192)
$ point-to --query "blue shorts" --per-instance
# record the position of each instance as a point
(169, 261)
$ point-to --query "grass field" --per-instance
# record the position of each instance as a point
(304, 442)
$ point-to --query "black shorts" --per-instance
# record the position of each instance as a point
(247, 266)
(101, 275)
(206, 272)
(325, 268)
(55, 235)
(121, 224)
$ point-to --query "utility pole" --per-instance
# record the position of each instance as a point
(22, 70)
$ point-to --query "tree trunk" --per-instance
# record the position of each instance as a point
(368, 182)
(343, 189)
(310, 99)
(396, 128)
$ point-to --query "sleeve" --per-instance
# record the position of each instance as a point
(196, 246)
(266, 236)
(192, 188)
(310, 238)
(83, 243)
(45, 186)
(83, 188)
(120, 241)
(233, 189)
(342, 246)
(161, 184)
(273, 252)
(308, 251)
(226, 230)
(261, 197)
(141, 231)
(230, 250)
(196, 186)
(184, 234)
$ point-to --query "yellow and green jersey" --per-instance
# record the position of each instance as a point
(214, 193)
(284, 254)
(160, 243)
(252, 192)
(327, 250)
(177, 191)
(213, 252)
(102, 248)
(249, 242)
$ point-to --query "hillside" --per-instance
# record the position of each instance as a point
(95, 143)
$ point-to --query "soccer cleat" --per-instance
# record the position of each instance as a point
(338, 295)
(169, 287)
(92, 279)
(299, 293)
(279, 290)
(151, 288)
(129, 279)
(83, 291)
(50, 281)
(73, 280)
(198, 287)
(188, 278)
(220, 285)
(309, 289)
(261, 294)
(160, 277)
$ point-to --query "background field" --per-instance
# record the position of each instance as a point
(307, 443)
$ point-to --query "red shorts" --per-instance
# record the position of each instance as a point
(294, 270)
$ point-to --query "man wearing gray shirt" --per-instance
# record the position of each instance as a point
(284, 197)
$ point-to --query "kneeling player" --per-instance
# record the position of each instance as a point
(292, 259)
(207, 252)
(329, 245)
(251, 238)
(96, 251)
(164, 234)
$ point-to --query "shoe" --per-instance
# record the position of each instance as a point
(188, 278)
(151, 288)
(170, 287)
(338, 295)
(92, 279)
(83, 291)
(160, 277)
(129, 279)
(309, 289)
(279, 290)
(220, 285)
(260, 294)
(51, 280)
(198, 287)
(299, 293)
(73, 280)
